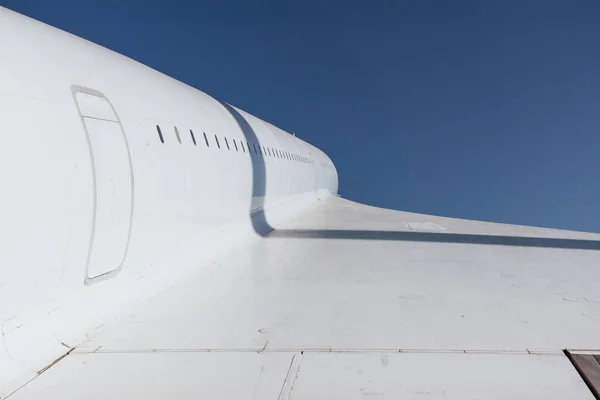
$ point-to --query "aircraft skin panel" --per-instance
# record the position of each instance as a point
(339, 293)
(312, 375)
(226, 266)
(356, 317)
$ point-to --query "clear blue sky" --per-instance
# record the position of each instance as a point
(476, 109)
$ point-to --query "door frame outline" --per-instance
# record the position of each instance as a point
(81, 89)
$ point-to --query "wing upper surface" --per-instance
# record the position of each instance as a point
(351, 301)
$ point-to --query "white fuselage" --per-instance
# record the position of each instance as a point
(89, 188)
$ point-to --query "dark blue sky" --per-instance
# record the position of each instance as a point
(484, 110)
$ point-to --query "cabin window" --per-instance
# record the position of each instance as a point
(177, 135)
(206, 139)
(193, 137)
(235, 144)
(217, 140)
(243, 149)
(227, 143)
(160, 136)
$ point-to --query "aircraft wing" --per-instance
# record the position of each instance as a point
(348, 301)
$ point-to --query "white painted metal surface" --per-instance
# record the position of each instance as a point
(359, 309)
(313, 284)
(243, 277)
(112, 181)
(166, 375)
(95, 106)
(281, 375)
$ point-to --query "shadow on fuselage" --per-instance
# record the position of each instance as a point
(259, 174)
